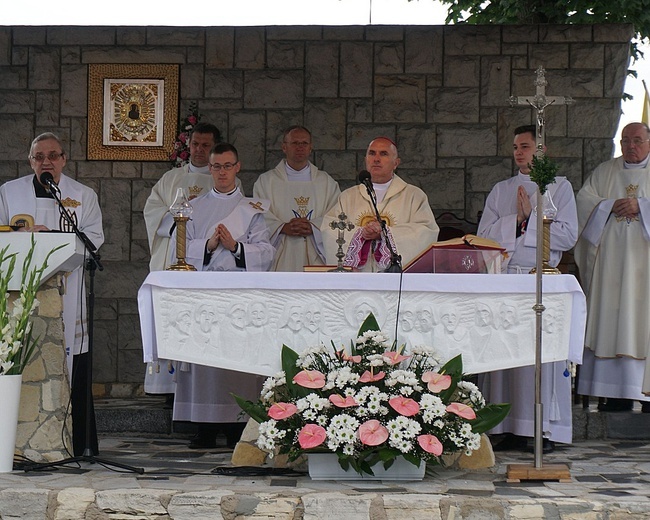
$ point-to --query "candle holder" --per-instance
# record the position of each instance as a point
(548, 216)
(181, 209)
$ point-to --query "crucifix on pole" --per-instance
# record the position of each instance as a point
(517, 472)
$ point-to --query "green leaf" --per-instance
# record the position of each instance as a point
(255, 410)
(370, 323)
(488, 417)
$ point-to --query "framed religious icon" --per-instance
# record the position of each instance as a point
(132, 111)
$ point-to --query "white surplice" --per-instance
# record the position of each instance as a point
(517, 386)
(310, 198)
(613, 255)
(203, 394)
(19, 197)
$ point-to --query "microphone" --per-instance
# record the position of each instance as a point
(47, 179)
(366, 179)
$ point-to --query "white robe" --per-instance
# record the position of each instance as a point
(158, 221)
(613, 255)
(203, 393)
(407, 213)
(291, 199)
(18, 196)
(517, 385)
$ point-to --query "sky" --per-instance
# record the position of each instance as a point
(271, 12)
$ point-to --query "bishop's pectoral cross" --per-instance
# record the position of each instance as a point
(539, 102)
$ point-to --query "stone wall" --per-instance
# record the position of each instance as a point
(440, 92)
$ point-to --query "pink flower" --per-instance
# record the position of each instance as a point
(184, 154)
(462, 410)
(369, 377)
(430, 444)
(182, 137)
(372, 433)
(342, 354)
(404, 406)
(310, 379)
(192, 120)
(282, 410)
(436, 382)
(172, 156)
(394, 357)
(311, 436)
(338, 401)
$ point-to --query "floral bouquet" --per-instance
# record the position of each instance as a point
(181, 153)
(16, 341)
(371, 404)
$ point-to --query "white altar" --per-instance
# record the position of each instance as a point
(239, 320)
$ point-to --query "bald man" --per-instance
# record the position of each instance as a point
(411, 226)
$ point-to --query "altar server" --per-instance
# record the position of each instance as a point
(26, 199)
(227, 233)
(508, 218)
(403, 207)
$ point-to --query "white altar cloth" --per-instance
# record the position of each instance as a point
(239, 320)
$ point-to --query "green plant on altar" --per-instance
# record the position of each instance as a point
(371, 404)
(181, 153)
(543, 171)
(17, 343)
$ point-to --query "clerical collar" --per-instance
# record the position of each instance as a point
(381, 189)
(197, 169)
(40, 191)
(637, 166)
(220, 195)
(303, 174)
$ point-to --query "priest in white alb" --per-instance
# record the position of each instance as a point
(411, 226)
(613, 255)
(300, 195)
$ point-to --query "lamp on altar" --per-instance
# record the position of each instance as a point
(181, 210)
(549, 212)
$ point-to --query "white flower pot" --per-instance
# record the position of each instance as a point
(325, 466)
(9, 404)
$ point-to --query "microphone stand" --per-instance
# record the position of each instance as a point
(93, 264)
(395, 259)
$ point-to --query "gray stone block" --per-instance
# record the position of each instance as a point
(445, 188)
(192, 81)
(615, 69)
(340, 165)
(613, 32)
(126, 170)
(44, 70)
(389, 58)
(246, 132)
(356, 67)
(74, 91)
(462, 71)
(47, 108)
(15, 137)
(564, 33)
(354, 32)
(458, 105)
(186, 36)
(359, 136)
(133, 55)
(143, 420)
(329, 115)
(249, 48)
(519, 33)
(31, 35)
(219, 46)
(495, 81)
(77, 35)
(285, 55)
(586, 55)
(116, 215)
(321, 69)
(359, 110)
(130, 35)
(105, 350)
(417, 146)
(423, 50)
(465, 140)
(5, 46)
(484, 173)
(224, 84)
(597, 118)
(130, 366)
(273, 89)
(16, 102)
(400, 98)
(473, 40)
(549, 56)
(287, 32)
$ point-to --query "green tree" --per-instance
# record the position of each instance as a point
(636, 12)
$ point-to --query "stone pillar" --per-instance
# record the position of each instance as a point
(45, 392)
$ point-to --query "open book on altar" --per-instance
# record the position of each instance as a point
(466, 254)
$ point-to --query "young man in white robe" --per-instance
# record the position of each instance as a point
(195, 179)
(227, 233)
(411, 226)
(300, 195)
(509, 218)
(613, 255)
(27, 195)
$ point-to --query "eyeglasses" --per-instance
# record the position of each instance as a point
(225, 167)
(298, 143)
(52, 157)
(636, 142)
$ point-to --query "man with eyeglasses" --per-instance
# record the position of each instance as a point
(195, 179)
(300, 195)
(509, 218)
(227, 233)
(613, 255)
(28, 203)
(405, 209)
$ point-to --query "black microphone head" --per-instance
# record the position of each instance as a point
(364, 177)
(46, 178)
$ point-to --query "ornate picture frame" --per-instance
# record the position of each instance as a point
(132, 111)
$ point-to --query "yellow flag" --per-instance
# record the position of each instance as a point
(646, 106)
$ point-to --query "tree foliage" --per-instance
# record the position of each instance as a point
(636, 12)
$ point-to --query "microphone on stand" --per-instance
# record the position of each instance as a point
(47, 179)
(396, 260)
